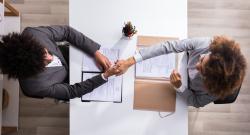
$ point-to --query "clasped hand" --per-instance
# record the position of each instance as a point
(121, 66)
(118, 68)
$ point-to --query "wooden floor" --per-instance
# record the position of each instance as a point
(205, 18)
(43, 117)
(226, 17)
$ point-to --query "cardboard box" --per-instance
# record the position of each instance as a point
(154, 96)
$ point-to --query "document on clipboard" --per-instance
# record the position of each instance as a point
(108, 92)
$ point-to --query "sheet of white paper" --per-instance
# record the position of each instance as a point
(160, 66)
(110, 91)
(89, 64)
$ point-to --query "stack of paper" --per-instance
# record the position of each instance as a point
(157, 67)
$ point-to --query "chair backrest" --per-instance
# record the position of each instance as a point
(229, 99)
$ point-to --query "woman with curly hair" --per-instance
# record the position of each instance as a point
(41, 66)
(215, 67)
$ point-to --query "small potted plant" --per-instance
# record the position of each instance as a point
(129, 30)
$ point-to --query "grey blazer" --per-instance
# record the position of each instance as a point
(195, 94)
(51, 82)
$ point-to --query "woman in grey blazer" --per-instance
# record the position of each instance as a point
(215, 67)
(35, 59)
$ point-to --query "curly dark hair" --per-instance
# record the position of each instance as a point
(21, 56)
(225, 68)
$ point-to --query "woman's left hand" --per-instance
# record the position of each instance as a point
(175, 79)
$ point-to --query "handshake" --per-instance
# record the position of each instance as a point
(121, 66)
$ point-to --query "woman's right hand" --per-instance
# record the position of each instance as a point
(120, 67)
(123, 65)
(113, 70)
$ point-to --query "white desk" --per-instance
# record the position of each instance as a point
(102, 21)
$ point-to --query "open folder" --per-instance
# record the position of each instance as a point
(111, 91)
(153, 91)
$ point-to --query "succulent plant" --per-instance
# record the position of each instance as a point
(129, 30)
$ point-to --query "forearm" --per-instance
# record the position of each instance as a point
(58, 33)
(175, 46)
(81, 41)
(66, 91)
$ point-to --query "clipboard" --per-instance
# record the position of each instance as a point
(154, 94)
(103, 93)
(98, 100)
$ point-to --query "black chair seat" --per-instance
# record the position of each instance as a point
(228, 99)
